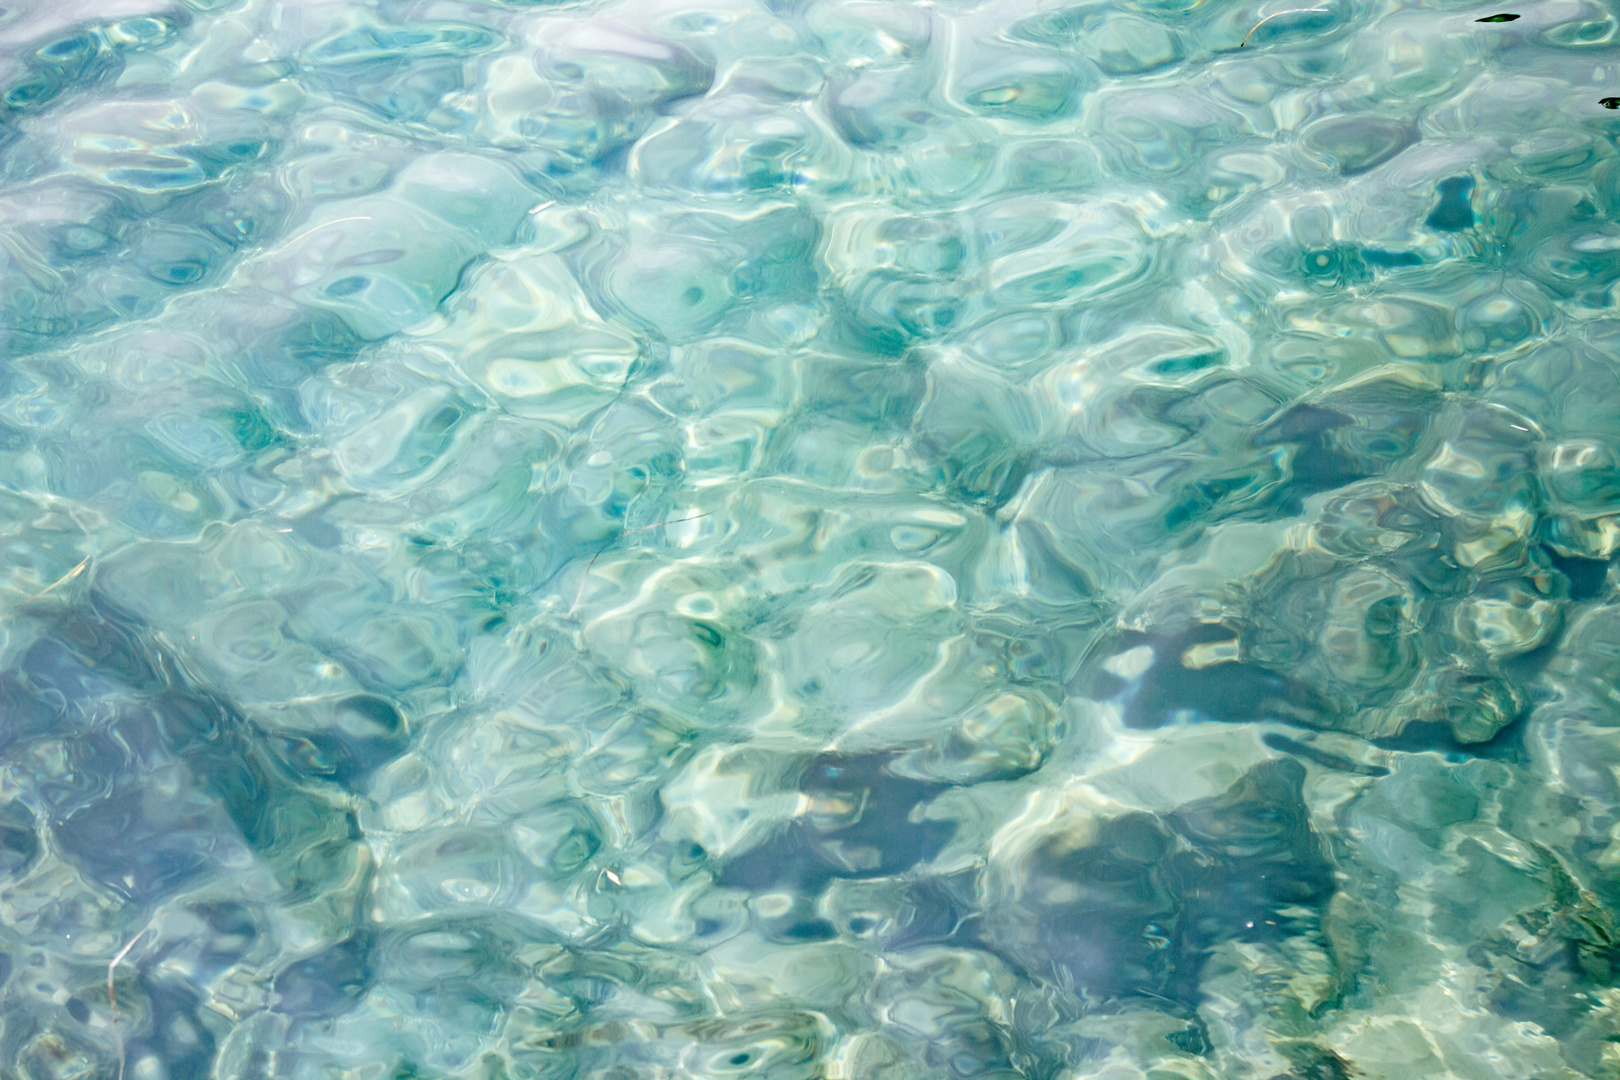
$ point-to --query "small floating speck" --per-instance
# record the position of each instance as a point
(1610, 102)
(1498, 18)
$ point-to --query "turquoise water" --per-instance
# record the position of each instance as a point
(843, 540)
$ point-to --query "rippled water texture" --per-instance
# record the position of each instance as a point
(830, 539)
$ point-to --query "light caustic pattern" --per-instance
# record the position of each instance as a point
(718, 538)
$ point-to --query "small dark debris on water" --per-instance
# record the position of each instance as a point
(1498, 18)
(1609, 102)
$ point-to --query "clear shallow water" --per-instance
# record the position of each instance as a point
(843, 540)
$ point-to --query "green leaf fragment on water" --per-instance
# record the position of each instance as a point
(1498, 18)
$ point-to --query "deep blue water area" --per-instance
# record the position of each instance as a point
(809, 539)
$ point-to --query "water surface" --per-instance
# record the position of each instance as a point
(847, 540)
